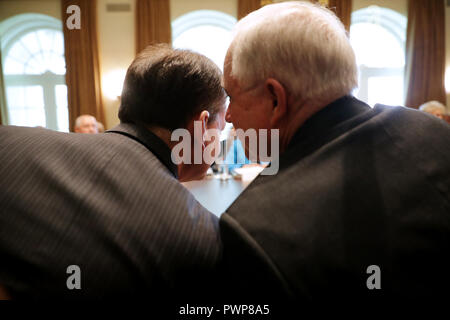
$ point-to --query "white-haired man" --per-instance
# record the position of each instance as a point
(435, 108)
(86, 124)
(359, 208)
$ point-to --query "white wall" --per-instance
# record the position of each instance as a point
(9, 8)
(180, 7)
(116, 50)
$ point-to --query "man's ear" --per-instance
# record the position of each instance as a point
(204, 117)
(278, 95)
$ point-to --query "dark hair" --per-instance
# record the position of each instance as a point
(166, 87)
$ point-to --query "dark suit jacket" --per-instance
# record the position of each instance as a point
(108, 203)
(356, 187)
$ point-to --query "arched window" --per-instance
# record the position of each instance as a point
(205, 31)
(34, 69)
(378, 38)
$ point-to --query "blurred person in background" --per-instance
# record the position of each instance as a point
(101, 127)
(435, 108)
(86, 124)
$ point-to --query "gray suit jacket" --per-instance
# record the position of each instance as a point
(108, 203)
(357, 187)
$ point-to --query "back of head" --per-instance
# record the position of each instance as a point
(302, 45)
(166, 87)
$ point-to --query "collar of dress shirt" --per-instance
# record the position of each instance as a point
(336, 118)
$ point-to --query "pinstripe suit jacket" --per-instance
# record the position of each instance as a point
(108, 203)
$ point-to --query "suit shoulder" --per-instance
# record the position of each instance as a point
(413, 121)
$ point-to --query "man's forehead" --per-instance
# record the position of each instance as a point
(227, 63)
(88, 119)
(228, 81)
(228, 57)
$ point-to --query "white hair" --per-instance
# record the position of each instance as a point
(433, 106)
(302, 45)
(79, 119)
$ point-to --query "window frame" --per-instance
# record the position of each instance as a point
(11, 31)
(201, 17)
(394, 23)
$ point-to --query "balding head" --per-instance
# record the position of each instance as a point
(302, 45)
(435, 108)
(86, 124)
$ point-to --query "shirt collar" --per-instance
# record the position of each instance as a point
(333, 120)
(151, 141)
(328, 118)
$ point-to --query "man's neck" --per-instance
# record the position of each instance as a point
(294, 122)
(302, 111)
(164, 134)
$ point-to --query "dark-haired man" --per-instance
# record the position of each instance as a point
(100, 216)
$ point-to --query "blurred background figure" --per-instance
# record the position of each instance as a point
(100, 127)
(86, 124)
(235, 153)
(435, 108)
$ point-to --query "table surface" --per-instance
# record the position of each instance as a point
(217, 195)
